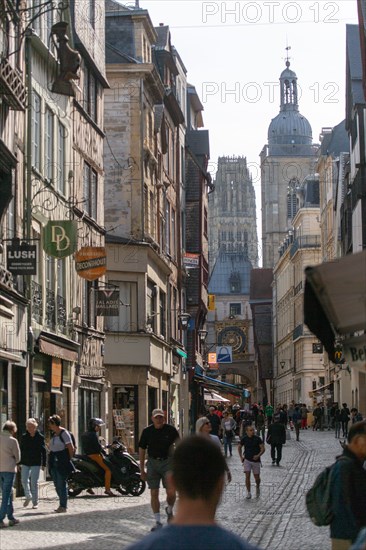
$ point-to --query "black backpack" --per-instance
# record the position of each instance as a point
(72, 439)
(318, 498)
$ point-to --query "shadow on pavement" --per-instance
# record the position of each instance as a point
(102, 529)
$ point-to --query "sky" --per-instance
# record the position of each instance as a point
(234, 53)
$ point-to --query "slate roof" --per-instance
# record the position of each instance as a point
(227, 265)
(335, 142)
(163, 40)
(198, 141)
(354, 63)
(113, 55)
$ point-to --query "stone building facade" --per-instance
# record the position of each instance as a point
(198, 185)
(144, 121)
(58, 206)
(298, 358)
(13, 300)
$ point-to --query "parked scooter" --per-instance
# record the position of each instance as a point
(126, 475)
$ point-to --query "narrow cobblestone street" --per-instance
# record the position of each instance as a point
(276, 521)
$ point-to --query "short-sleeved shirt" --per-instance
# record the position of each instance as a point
(58, 444)
(251, 446)
(158, 441)
(192, 537)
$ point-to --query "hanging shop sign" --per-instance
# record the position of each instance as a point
(91, 262)
(56, 374)
(60, 238)
(191, 260)
(212, 358)
(21, 259)
(211, 306)
(107, 303)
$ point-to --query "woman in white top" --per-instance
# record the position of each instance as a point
(203, 427)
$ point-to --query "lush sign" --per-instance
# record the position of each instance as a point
(22, 259)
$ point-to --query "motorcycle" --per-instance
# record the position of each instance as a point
(126, 475)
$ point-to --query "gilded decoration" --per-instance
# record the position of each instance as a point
(234, 334)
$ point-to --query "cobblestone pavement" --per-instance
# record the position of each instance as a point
(276, 521)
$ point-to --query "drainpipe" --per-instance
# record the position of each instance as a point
(27, 167)
(142, 158)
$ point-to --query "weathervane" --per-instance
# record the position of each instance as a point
(287, 56)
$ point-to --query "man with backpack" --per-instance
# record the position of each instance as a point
(338, 496)
(59, 460)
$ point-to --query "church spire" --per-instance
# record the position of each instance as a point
(288, 83)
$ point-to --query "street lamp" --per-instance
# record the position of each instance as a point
(202, 333)
(184, 319)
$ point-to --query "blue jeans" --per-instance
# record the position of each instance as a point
(337, 428)
(6, 485)
(30, 473)
(228, 444)
(59, 480)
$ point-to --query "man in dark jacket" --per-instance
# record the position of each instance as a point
(33, 453)
(215, 421)
(348, 490)
(297, 420)
(276, 437)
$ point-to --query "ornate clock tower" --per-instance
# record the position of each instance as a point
(231, 323)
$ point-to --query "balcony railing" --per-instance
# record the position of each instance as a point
(6, 278)
(50, 309)
(298, 288)
(61, 313)
(306, 241)
(12, 87)
(37, 302)
(55, 308)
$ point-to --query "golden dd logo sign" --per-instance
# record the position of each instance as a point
(60, 238)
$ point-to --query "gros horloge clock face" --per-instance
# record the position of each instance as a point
(234, 337)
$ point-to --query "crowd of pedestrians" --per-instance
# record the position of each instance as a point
(162, 456)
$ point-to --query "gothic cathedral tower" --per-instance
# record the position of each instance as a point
(232, 212)
(286, 160)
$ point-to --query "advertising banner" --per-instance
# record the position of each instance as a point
(191, 260)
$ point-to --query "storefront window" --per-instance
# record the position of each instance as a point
(152, 399)
(42, 406)
(62, 407)
(125, 422)
(89, 407)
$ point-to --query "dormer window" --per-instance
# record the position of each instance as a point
(235, 283)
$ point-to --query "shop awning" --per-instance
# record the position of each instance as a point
(213, 396)
(321, 389)
(212, 384)
(180, 353)
(335, 298)
(58, 348)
